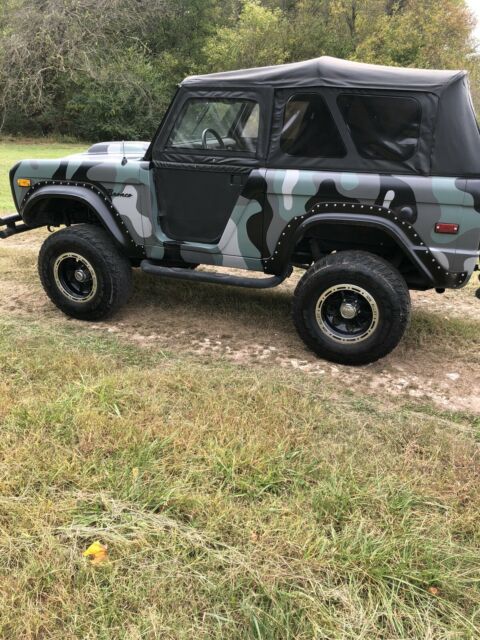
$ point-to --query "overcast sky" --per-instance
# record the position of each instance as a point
(475, 7)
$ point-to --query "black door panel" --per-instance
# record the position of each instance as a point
(195, 206)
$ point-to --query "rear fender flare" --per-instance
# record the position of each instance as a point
(387, 220)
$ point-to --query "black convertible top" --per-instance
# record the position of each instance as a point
(331, 72)
(448, 139)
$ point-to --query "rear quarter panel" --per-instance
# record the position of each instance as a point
(433, 199)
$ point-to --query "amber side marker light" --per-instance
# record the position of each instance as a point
(24, 182)
(447, 227)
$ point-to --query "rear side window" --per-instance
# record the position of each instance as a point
(309, 130)
(382, 127)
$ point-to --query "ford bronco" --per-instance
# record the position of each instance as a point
(365, 177)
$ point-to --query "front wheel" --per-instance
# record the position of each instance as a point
(351, 307)
(83, 272)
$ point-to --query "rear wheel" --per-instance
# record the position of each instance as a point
(83, 272)
(351, 307)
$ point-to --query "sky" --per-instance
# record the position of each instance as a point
(475, 7)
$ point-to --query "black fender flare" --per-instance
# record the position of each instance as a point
(401, 231)
(399, 237)
(88, 195)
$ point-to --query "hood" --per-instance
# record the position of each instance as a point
(133, 148)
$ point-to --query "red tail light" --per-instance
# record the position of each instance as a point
(447, 227)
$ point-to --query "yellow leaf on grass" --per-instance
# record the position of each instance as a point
(96, 552)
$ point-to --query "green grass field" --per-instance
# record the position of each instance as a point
(236, 502)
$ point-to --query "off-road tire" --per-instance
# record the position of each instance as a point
(112, 272)
(384, 287)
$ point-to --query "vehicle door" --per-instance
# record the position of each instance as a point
(208, 147)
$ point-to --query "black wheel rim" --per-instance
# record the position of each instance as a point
(347, 313)
(75, 277)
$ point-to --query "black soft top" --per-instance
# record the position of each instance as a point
(331, 72)
(449, 139)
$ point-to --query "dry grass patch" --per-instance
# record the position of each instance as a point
(234, 503)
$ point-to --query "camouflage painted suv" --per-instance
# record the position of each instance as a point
(366, 177)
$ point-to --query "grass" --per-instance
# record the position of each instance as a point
(236, 502)
(234, 505)
(13, 152)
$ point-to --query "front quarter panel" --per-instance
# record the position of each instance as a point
(126, 186)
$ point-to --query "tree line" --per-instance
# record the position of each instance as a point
(107, 69)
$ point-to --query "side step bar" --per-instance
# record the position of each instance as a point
(178, 273)
(10, 222)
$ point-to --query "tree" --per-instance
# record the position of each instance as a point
(82, 62)
(427, 34)
(107, 68)
(257, 38)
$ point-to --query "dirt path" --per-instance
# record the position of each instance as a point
(254, 327)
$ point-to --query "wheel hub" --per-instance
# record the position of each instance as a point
(80, 275)
(75, 277)
(348, 310)
(347, 313)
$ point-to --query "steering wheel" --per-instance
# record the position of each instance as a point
(215, 135)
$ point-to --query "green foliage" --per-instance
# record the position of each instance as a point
(421, 36)
(108, 68)
(125, 99)
(255, 39)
